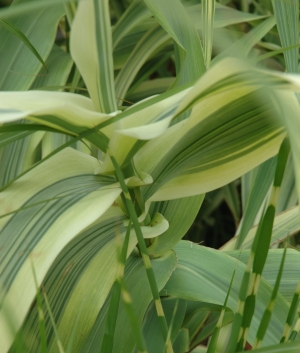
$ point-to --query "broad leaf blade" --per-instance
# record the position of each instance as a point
(208, 281)
(61, 187)
(136, 281)
(287, 19)
(18, 67)
(8, 25)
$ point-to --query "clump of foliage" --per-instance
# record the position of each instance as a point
(117, 118)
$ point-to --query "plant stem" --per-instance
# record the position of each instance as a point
(145, 255)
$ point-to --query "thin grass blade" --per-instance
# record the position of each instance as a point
(145, 48)
(104, 49)
(58, 341)
(188, 50)
(290, 347)
(208, 13)
(287, 17)
(296, 330)
(259, 251)
(291, 315)
(260, 186)
(8, 25)
(269, 309)
(136, 13)
(215, 336)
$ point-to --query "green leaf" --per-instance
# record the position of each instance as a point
(139, 289)
(227, 123)
(18, 67)
(136, 13)
(18, 157)
(148, 44)
(23, 7)
(242, 47)
(149, 88)
(181, 344)
(259, 188)
(287, 197)
(174, 310)
(285, 224)
(232, 199)
(291, 119)
(180, 214)
(81, 277)
(9, 26)
(91, 50)
(9, 137)
(59, 65)
(291, 347)
(208, 281)
(263, 326)
(224, 16)
(287, 20)
(190, 60)
(291, 269)
(208, 13)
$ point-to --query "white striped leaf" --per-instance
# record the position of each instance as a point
(226, 136)
(64, 108)
(79, 280)
(38, 221)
